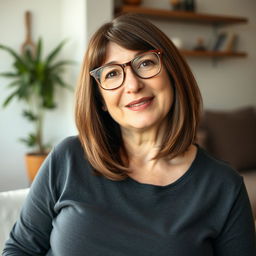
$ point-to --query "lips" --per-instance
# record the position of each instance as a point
(140, 103)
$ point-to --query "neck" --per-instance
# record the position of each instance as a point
(143, 145)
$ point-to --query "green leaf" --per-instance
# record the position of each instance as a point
(30, 115)
(14, 83)
(9, 74)
(60, 82)
(30, 141)
(12, 52)
(24, 91)
(55, 52)
(9, 99)
(28, 56)
(22, 67)
(39, 47)
(40, 71)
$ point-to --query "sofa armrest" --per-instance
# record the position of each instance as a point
(11, 202)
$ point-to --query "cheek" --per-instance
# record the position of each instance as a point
(167, 91)
(165, 86)
(111, 99)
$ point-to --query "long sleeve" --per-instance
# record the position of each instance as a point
(71, 211)
(237, 237)
(31, 233)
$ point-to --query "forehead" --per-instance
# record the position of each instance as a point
(118, 54)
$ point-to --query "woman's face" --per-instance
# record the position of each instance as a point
(139, 104)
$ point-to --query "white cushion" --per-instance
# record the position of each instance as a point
(10, 205)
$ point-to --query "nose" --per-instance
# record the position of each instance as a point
(132, 83)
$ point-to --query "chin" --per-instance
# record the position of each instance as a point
(142, 126)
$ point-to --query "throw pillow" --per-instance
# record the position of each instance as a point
(232, 136)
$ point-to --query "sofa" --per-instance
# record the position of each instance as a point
(231, 136)
(11, 202)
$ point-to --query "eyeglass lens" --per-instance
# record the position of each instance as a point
(144, 66)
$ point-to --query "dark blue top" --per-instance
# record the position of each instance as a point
(70, 212)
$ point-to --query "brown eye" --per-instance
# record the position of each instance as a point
(146, 63)
(111, 74)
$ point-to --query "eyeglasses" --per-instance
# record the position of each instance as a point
(112, 76)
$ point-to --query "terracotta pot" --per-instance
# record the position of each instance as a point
(33, 163)
(132, 2)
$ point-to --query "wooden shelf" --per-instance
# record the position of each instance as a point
(217, 54)
(184, 16)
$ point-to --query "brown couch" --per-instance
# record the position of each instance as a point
(231, 136)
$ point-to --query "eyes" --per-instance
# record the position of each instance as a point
(112, 74)
(146, 63)
(116, 71)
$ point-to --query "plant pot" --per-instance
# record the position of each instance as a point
(33, 163)
(132, 2)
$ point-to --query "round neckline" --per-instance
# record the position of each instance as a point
(169, 187)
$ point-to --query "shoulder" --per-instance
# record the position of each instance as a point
(217, 172)
(216, 183)
(66, 164)
(68, 143)
(67, 152)
(68, 146)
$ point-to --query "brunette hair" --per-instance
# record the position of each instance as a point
(99, 134)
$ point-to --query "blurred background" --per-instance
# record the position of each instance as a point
(227, 83)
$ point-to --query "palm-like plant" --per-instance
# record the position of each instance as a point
(34, 80)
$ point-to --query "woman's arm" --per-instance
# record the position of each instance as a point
(31, 233)
(238, 234)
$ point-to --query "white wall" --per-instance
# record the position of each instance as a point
(227, 85)
(54, 21)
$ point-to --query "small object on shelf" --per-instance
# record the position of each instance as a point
(177, 5)
(200, 45)
(230, 42)
(189, 5)
(226, 42)
(184, 5)
(132, 2)
(218, 44)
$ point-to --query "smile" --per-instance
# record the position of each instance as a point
(140, 104)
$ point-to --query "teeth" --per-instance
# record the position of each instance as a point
(139, 104)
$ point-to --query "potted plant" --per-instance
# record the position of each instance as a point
(34, 80)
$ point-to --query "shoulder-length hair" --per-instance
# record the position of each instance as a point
(99, 134)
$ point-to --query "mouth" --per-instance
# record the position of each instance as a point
(140, 104)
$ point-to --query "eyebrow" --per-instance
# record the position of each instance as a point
(116, 62)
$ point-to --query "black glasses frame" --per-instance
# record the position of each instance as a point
(94, 72)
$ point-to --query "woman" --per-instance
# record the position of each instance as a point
(134, 182)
